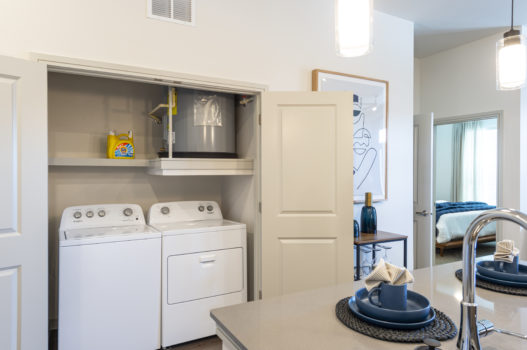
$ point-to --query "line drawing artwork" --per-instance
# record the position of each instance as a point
(370, 128)
(365, 154)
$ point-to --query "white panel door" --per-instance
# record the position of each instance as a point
(424, 233)
(23, 205)
(307, 190)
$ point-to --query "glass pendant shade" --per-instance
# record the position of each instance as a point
(511, 62)
(353, 27)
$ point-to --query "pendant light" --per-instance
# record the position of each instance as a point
(511, 59)
(353, 27)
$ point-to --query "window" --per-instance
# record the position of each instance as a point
(467, 161)
(479, 159)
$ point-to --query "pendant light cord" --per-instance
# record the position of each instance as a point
(512, 15)
(511, 31)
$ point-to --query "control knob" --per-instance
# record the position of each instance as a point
(101, 213)
(165, 210)
(210, 207)
(89, 214)
(201, 208)
(128, 212)
(77, 215)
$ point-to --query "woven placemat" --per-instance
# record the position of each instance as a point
(442, 328)
(494, 287)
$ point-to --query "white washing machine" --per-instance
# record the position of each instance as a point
(203, 267)
(109, 279)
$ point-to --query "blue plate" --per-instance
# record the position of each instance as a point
(502, 282)
(488, 268)
(417, 310)
(387, 324)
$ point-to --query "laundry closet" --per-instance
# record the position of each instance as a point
(290, 183)
(86, 101)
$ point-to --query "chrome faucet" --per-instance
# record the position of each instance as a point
(468, 338)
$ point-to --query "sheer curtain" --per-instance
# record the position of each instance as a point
(475, 161)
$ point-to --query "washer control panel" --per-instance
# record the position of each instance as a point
(184, 211)
(86, 216)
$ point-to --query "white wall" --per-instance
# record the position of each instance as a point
(462, 81)
(443, 162)
(273, 42)
(523, 153)
(417, 86)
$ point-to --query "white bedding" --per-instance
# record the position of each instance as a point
(454, 225)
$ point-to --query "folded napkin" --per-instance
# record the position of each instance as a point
(505, 251)
(388, 273)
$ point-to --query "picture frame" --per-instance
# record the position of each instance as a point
(370, 134)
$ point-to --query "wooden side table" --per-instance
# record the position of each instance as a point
(373, 239)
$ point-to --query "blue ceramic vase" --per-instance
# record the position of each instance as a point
(356, 229)
(368, 216)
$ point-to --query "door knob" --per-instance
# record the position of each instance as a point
(423, 213)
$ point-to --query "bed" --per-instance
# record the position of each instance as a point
(453, 219)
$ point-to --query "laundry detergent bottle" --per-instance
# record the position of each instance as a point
(120, 146)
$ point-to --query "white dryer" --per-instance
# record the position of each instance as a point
(203, 267)
(109, 279)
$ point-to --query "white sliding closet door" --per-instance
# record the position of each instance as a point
(23, 205)
(307, 190)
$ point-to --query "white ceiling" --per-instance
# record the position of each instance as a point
(444, 24)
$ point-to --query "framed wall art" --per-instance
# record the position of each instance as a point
(370, 121)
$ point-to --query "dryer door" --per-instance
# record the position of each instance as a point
(205, 274)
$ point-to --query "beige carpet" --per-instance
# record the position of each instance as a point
(452, 255)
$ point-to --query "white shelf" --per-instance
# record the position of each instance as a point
(200, 166)
(168, 167)
(98, 162)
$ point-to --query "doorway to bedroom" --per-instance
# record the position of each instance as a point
(466, 159)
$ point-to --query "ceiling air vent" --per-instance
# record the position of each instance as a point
(178, 11)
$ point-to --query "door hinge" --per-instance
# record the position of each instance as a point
(260, 207)
(260, 119)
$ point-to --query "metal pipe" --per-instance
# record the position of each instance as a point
(170, 105)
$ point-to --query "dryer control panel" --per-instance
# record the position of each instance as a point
(101, 215)
(184, 211)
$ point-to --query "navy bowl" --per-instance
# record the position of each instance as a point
(389, 324)
(489, 268)
(479, 276)
(418, 308)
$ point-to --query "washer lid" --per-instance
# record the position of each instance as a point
(178, 228)
(107, 234)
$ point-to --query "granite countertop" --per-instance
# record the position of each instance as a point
(307, 320)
